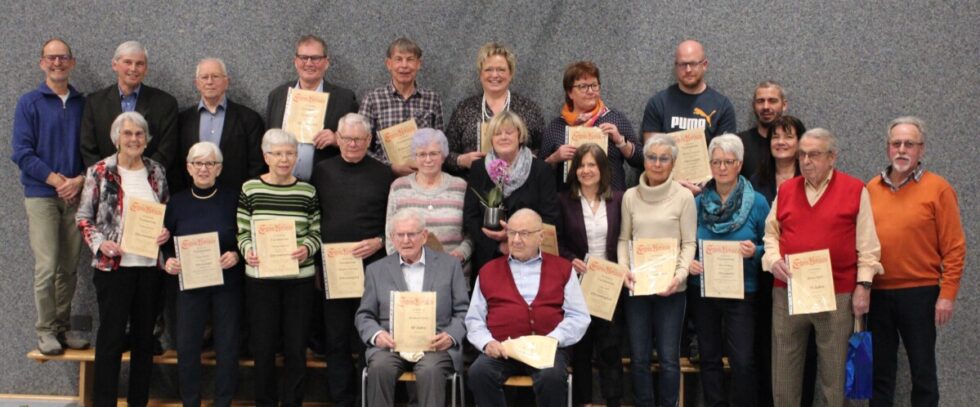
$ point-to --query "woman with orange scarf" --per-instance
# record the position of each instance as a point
(584, 107)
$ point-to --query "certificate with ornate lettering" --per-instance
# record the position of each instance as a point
(601, 285)
(413, 320)
(482, 138)
(343, 272)
(579, 135)
(723, 276)
(142, 224)
(397, 142)
(275, 242)
(549, 239)
(653, 263)
(811, 287)
(692, 156)
(534, 350)
(200, 260)
(304, 113)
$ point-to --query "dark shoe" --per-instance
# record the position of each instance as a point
(72, 340)
(48, 344)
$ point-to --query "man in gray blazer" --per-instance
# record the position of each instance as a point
(413, 268)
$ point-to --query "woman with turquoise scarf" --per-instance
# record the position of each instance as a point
(729, 209)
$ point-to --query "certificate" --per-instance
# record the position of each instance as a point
(305, 110)
(549, 239)
(482, 138)
(200, 260)
(601, 285)
(275, 242)
(413, 320)
(811, 287)
(397, 142)
(534, 350)
(578, 135)
(653, 263)
(343, 272)
(432, 242)
(723, 274)
(142, 224)
(692, 156)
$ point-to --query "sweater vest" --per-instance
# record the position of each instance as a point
(508, 315)
(829, 224)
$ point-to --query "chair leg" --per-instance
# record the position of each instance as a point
(363, 386)
(569, 390)
(462, 390)
(452, 389)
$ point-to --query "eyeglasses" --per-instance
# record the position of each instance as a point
(524, 234)
(316, 59)
(406, 235)
(352, 140)
(431, 154)
(897, 144)
(812, 155)
(727, 163)
(215, 77)
(663, 159)
(583, 87)
(688, 65)
(56, 58)
(204, 164)
(283, 154)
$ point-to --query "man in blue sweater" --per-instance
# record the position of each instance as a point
(47, 123)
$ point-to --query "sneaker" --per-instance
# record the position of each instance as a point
(48, 344)
(72, 340)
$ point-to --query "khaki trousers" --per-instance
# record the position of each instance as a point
(55, 241)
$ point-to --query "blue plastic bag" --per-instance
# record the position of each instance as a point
(859, 381)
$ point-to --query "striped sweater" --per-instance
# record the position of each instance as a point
(260, 201)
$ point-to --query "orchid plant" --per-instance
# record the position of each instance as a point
(499, 175)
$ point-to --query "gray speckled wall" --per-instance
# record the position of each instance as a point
(848, 68)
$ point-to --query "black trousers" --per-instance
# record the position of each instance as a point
(908, 313)
(128, 294)
(602, 340)
(487, 376)
(279, 313)
(341, 342)
(222, 306)
(725, 327)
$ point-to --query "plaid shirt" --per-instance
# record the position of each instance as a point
(385, 107)
(916, 175)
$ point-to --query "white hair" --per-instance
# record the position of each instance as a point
(425, 136)
(661, 140)
(406, 214)
(202, 149)
(132, 117)
(728, 143)
(130, 48)
(277, 137)
(915, 121)
(825, 135)
(353, 119)
(221, 64)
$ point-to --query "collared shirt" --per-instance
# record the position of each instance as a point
(385, 107)
(212, 123)
(304, 152)
(916, 175)
(866, 237)
(128, 102)
(527, 276)
(414, 273)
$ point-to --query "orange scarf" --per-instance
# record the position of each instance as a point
(574, 119)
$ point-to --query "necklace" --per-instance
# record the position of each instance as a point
(204, 197)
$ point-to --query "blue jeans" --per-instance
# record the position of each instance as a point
(652, 316)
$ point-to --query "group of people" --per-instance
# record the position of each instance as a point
(896, 243)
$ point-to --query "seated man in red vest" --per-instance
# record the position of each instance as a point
(526, 293)
(823, 209)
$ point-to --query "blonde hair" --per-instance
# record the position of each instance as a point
(508, 118)
(494, 48)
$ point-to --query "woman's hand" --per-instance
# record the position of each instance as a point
(695, 268)
(251, 259)
(110, 249)
(164, 237)
(611, 131)
(365, 248)
(301, 253)
(229, 260)
(579, 266)
(672, 288)
(172, 266)
(466, 160)
(562, 154)
(747, 248)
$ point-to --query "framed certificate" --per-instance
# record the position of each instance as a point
(275, 242)
(549, 239)
(413, 320)
(343, 272)
(533, 350)
(811, 287)
(692, 156)
(305, 110)
(578, 135)
(142, 224)
(601, 285)
(723, 276)
(653, 263)
(200, 260)
(397, 142)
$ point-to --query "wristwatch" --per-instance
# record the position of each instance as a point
(865, 284)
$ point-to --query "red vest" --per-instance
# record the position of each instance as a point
(508, 315)
(830, 224)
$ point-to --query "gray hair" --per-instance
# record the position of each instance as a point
(201, 149)
(132, 117)
(129, 48)
(221, 64)
(728, 143)
(407, 214)
(277, 137)
(526, 212)
(353, 119)
(825, 135)
(661, 139)
(915, 121)
(425, 136)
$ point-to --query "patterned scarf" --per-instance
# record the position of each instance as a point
(518, 170)
(574, 119)
(723, 218)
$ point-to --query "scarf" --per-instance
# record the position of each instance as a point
(723, 218)
(517, 172)
(574, 119)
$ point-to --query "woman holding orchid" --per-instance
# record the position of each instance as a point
(509, 177)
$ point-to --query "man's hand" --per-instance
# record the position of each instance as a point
(944, 311)
(781, 271)
(384, 340)
(365, 248)
(466, 160)
(860, 300)
(70, 188)
(441, 341)
(495, 350)
(324, 138)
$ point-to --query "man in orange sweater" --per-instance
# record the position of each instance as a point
(922, 251)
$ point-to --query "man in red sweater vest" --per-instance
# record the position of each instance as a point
(526, 293)
(823, 209)
(923, 249)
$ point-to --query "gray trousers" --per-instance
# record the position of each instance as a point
(56, 242)
(430, 377)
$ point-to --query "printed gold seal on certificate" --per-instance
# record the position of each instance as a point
(142, 224)
(343, 272)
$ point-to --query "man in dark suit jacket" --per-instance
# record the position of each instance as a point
(127, 95)
(311, 62)
(412, 269)
(236, 129)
